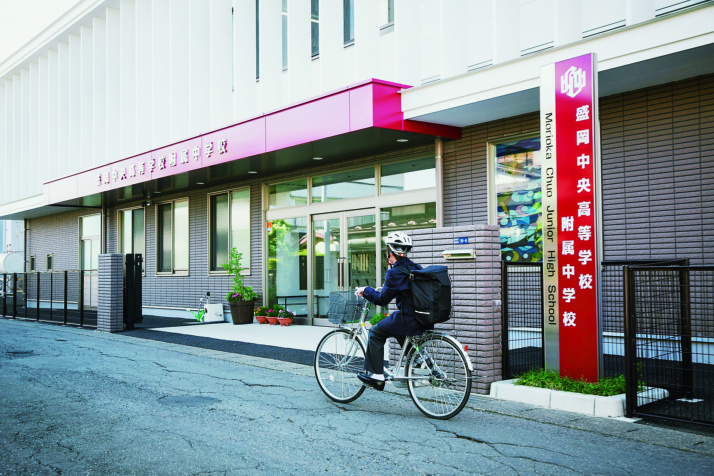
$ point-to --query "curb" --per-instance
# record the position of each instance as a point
(610, 407)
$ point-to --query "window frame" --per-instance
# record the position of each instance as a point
(315, 55)
(247, 271)
(491, 192)
(389, 4)
(33, 263)
(394, 199)
(50, 262)
(345, 41)
(120, 235)
(284, 25)
(82, 237)
(173, 271)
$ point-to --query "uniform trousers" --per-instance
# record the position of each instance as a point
(374, 360)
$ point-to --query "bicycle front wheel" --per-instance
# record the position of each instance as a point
(443, 385)
(338, 358)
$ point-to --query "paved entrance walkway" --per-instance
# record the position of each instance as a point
(295, 344)
(291, 337)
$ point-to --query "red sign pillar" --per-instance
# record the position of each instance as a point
(568, 137)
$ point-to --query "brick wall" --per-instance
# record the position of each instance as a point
(658, 172)
(110, 306)
(466, 167)
(476, 299)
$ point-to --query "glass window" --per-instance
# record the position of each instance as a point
(132, 238)
(348, 15)
(409, 217)
(285, 34)
(90, 226)
(386, 12)
(229, 227)
(50, 265)
(408, 175)
(315, 26)
(32, 263)
(352, 184)
(257, 39)
(90, 230)
(172, 237)
(518, 199)
(287, 264)
(287, 194)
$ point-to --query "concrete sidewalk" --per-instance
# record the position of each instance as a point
(290, 337)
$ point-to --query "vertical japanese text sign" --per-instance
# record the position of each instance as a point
(568, 105)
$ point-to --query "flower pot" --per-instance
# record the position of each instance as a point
(285, 321)
(242, 312)
(272, 320)
(262, 319)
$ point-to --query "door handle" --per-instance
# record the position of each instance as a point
(341, 272)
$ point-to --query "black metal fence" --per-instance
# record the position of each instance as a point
(522, 316)
(670, 342)
(613, 310)
(522, 311)
(67, 297)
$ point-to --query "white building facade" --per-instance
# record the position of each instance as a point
(331, 122)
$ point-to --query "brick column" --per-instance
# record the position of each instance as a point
(476, 285)
(110, 305)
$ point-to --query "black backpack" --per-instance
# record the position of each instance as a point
(431, 291)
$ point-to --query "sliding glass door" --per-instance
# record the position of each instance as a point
(344, 256)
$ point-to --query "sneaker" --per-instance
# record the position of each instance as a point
(370, 382)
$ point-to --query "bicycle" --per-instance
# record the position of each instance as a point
(437, 370)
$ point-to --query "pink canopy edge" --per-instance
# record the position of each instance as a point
(371, 103)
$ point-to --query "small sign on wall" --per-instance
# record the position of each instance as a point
(461, 241)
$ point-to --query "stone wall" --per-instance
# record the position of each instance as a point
(476, 300)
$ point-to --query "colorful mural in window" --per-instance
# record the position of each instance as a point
(519, 202)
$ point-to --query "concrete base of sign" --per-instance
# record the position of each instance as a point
(572, 402)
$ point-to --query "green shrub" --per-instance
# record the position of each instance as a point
(542, 378)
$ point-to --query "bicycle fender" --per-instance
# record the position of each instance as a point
(460, 346)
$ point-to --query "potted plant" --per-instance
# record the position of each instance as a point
(241, 298)
(261, 314)
(285, 317)
(273, 314)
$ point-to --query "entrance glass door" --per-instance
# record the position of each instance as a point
(344, 256)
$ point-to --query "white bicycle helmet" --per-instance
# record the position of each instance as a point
(398, 243)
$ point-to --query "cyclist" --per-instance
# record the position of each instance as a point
(400, 323)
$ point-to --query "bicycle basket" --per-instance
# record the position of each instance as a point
(344, 307)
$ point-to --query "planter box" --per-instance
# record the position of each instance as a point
(568, 401)
(595, 405)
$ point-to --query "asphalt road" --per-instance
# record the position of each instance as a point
(76, 401)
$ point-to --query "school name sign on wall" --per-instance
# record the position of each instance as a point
(568, 104)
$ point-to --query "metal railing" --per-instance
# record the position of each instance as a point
(522, 317)
(613, 310)
(669, 333)
(67, 297)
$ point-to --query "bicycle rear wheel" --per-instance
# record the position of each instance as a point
(444, 385)
(338, 358)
